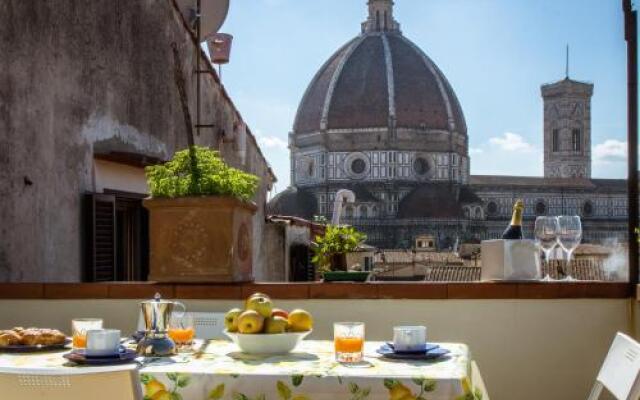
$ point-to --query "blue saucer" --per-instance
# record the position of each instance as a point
(431, 352)
(80, 357)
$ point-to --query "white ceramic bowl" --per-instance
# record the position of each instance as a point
(264, 343)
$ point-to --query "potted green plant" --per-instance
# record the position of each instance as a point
(200, 219)
(330, 253)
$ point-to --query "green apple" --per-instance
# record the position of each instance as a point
(256, 294)
(275, 325)
(250, 321)
(231, 319)
(261, 304)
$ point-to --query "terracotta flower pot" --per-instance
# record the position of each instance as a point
(200, 239)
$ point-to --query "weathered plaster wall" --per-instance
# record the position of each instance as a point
(79, 77)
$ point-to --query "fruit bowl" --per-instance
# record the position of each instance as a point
(275, 343)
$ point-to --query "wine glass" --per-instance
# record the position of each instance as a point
(546, 233)
(569, 236)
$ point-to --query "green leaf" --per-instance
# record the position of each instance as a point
(353, 388)
(391, 383)
(296, 380)
(182, 380)
(172, 376)
(239, 396)
(365, 392)
(429, 385)
(283, 390)
(176, 396)
(417, 381)
(217, 393)
(145, 378)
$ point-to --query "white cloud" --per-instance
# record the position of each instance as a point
(272, 142)
(611, 150)
(475, 150)
(512, 142)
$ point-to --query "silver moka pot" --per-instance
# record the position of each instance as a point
(157, 313)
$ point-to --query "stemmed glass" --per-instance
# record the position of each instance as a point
(546, 231)
(569, 236)
(182, 331)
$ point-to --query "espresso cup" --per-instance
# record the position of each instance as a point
(409, 338)
(103, 342)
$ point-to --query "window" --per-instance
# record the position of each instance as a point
(492, 208)
(364, 212)
(540, 208)
(555, 140)
(420, 166)
(358, 166)
(576, 140)
(587, 209)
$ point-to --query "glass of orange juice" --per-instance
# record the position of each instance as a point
(348, 338)
(182, 331)
(79, 328)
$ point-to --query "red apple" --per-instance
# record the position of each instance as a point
(278, 312)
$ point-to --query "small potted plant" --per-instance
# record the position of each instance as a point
(330, 253)
(200, 219)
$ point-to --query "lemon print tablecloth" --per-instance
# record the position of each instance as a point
(221, 371)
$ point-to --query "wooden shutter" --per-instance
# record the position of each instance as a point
(100, 232)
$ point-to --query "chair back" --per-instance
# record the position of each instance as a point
(208, 325)
(39, 385)
(620, 372)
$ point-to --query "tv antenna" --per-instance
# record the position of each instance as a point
(205, 17)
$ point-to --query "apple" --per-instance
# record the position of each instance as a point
(278, 312)
(300, 321)
(256, 294)
(260, 304)
(231, 319)
(250, 321)
(275, 325)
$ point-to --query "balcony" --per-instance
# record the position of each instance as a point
(531, 341)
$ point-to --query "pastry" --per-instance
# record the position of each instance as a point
(33, 337)
(9, 338)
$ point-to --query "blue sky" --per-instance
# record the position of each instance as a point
(495, 53)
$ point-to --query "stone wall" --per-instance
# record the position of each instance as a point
(85, 77)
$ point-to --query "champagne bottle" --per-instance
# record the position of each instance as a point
(514, 230)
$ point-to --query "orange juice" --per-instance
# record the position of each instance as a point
(349, 344)
(79, 341)
(180, 335)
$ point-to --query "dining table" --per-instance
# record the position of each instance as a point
(217, 369)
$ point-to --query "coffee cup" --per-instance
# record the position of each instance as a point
(409, 338)
(103, 342)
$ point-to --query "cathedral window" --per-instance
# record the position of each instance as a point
(358, 166)
(364, 212)
(555, 140)
(576, 139)
(492, 208)
(377, 20)
(587, 209)
(420, 166)
(540, 208)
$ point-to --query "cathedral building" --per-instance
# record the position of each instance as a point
(381, 119)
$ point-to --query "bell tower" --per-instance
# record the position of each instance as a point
(567, 129)
(380, 17)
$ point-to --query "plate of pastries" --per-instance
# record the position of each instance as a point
(32, 339)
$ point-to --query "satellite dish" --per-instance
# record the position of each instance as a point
(213, 13)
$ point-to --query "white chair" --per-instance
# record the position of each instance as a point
(23, 384)
(208, 325)
(620, 372)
